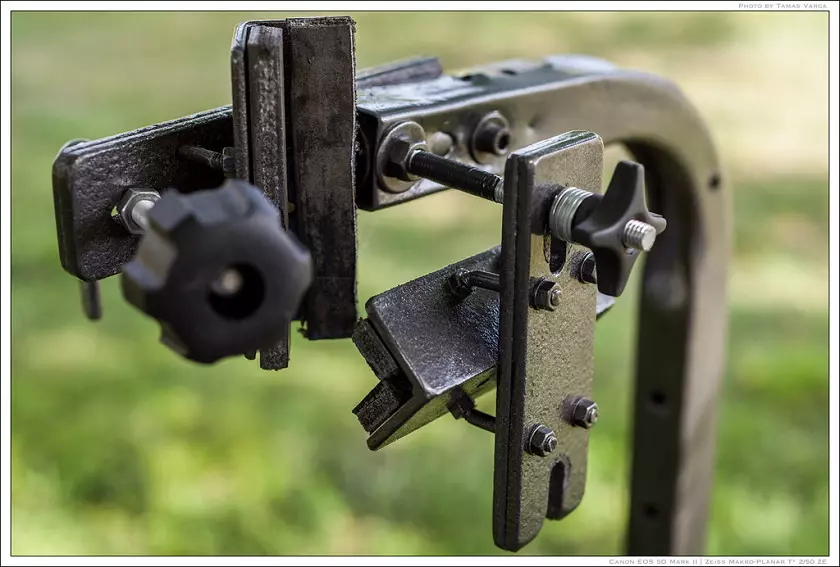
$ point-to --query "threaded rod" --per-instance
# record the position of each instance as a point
(456, 175)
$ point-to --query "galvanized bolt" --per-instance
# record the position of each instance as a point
(133, 209)
(542, 441)
(585, 413)
(586, 269)
(638, 235)
(545, 295)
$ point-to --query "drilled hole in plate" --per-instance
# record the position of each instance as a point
(557, 255)
(237, 292)
(714, 181)
(650, 511)
(502, 142)
(658, 399)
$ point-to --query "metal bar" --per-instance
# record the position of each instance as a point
(321, 96)
(481, 420)
(545, 357)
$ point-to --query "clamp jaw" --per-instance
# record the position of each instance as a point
(232, 223)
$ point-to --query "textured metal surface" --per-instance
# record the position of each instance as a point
(429, 346)
(90, 177)
(444, 346)
(320, 58)
(405, 71)
(545, 357)
(523, 92)
(259, 126)
(682, 316)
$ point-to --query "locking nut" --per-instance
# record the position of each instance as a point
(542, 441)
(545, 295)
(132, 210)
(587, 269)
(585, 413)
(399, 154)
(392, 156)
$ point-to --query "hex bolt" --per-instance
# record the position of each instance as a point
(545, 295)
(542, 441)
(132, 212)
(638, 235)
(403, 157)
(223, 161)
(587, 269)
(585, 413)
(140, 213)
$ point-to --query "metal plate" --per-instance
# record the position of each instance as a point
(444, 346)
(90, 177)
(259, 127)
(320, 83)
(546, 357)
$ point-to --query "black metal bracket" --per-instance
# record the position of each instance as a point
(308, 131)
(545, 357)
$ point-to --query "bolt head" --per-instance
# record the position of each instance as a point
(587, 270)
(546, 295)
(543, 441)
(585, 413)
(129, 200)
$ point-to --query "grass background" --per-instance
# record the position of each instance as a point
(120, 447)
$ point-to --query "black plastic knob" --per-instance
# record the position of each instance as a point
(218, 271)
(601, 224)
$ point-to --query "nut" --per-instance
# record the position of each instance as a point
(587, 272)
(546, 295)
(490, 138)
(542, 441)
(392, 154)
(585, 413)
(123, 212)
(399, 152)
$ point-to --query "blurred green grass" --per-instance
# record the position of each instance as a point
(120, 447)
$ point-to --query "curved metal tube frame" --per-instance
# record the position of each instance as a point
(682, 316)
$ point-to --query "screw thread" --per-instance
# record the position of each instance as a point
(638, 235)
(455, 175)
(563, 211)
